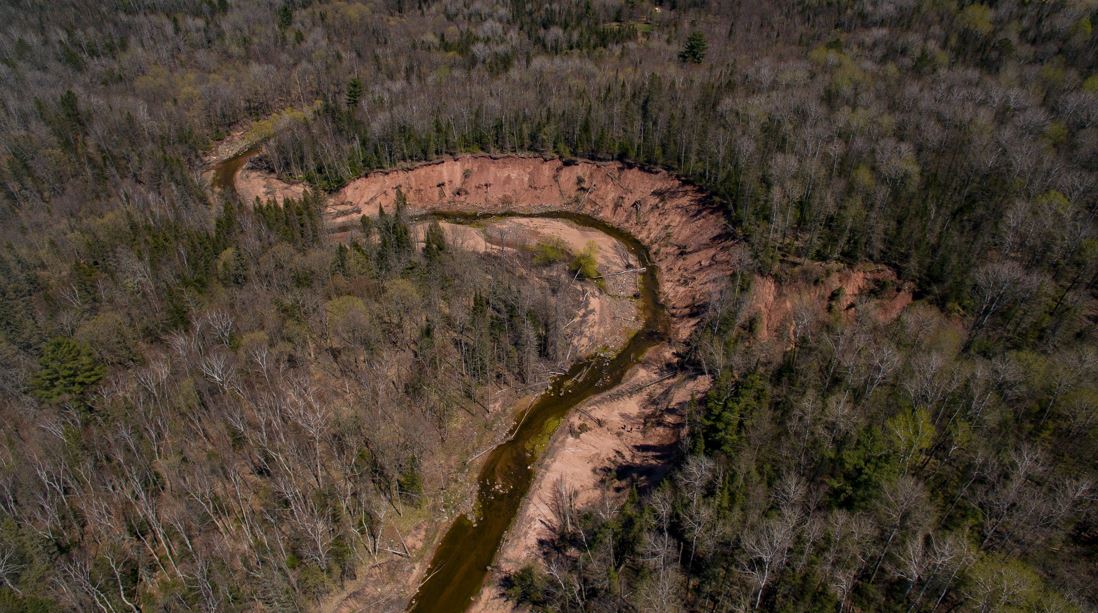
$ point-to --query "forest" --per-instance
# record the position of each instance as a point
(216, 405)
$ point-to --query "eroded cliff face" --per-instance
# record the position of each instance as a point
(685, 233)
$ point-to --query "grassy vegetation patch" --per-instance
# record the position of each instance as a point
(538, 444)
(586, 265)
(550, 251)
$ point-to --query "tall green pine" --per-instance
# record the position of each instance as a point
(694, 50)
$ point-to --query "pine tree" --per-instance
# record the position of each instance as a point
(722, 422)
(354, 92)
(434, 242)
(67, 369)
(694, 50)
(285, 16)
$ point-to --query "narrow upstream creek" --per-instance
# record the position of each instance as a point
(463, 556)
(225, 171)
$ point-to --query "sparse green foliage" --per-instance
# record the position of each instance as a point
(999, 583)
(434, 242)
(526, 586)
(912, 433)
(410, 483)
(585, 264)
(977, 18)
(110, 337)
(550, 251)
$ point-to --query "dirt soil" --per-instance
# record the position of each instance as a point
(872, 288)
(252, 184)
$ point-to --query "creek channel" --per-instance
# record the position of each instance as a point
(463, 557)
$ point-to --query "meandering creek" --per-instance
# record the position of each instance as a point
(461, 561)
(463, 556)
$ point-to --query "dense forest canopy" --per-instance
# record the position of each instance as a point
(213, 405)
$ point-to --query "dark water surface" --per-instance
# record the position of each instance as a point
(225, 170)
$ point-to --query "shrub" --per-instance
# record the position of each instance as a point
(526, 586)
(550, 252)
(585, 264)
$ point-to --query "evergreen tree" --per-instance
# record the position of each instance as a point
(394, 235)
(285, 16)
(354, 92)
(70, 111)
(434, 242)
(66, 370)
(863, 465)
(725, 413)
(410, 483)
(694, 50)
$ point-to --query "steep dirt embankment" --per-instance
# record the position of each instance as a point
(686, 237)
(252, 184)
(813, 286)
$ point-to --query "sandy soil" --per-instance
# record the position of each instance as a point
(227, 147)
(252, 184)
(812, 286)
